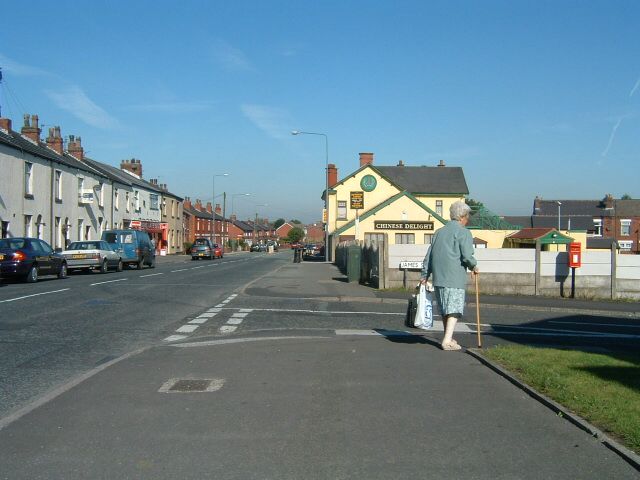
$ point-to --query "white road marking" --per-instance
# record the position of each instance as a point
(233, 295)
(239, 315)
(227, 329)
(235, 321)
(174, 338)
(322, 311)
(195, 268)
(151, 275)
(180, 270)
(214, 310)
(187, 328)
(246, 310)
(108, 281)
(219, 305)
(199, 321)
(215, 384)
(372, 332)
(589, 324)
(34, 295)
(208, 314)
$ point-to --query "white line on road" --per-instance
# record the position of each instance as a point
(319, 311)
(180, 270)
(239, 315)
(219, 305)
(195, 268)
(108, 281)
(235, 321)
(227, 329)
(174, 338)
(246, 310)
(187, 329)
(589, 324)
(208, 314)
(214, 310)
(198, 321)
(34, 295)
(151, 275)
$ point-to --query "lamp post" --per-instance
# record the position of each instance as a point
(213, 206)
(255, 223)
(559, 203)
(326, 191)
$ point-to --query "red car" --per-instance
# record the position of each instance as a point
(217, 251)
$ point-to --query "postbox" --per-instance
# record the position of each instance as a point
(575, 255)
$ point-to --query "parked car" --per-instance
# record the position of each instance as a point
(29, 258)
(202, 248)
(295, 245)
(133, 246)
(258, 247)
(217, 251)
(92, 255)
(273, 244)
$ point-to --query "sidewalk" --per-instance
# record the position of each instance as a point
(306, 407)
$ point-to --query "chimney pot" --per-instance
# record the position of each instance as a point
(400, 163)
(5, 124)
(441, 164)
(30, 128)
(54, 140)
(332, 175)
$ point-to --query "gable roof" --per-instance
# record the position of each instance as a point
(387, 202)
(543, 235)
(426, 180)
(590, 208)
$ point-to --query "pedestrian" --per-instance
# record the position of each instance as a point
(447, 260)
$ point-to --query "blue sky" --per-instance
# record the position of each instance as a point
(529, 97)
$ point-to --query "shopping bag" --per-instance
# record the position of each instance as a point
(424, 312)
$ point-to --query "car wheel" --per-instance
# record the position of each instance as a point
(104, 268)
(63, 271)
(140, 264)
(32, 276)
(120, 266)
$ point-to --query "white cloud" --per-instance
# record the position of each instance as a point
(19, 69)
(76, 102)
(635, 87)
(230, 57)
(612, 136)
(276, 122)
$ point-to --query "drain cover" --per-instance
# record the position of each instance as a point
(191, 385)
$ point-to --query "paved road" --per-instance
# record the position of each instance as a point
(304, 376)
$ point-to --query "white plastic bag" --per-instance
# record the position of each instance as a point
(424, 312)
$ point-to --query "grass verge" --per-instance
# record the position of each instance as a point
(603, 388)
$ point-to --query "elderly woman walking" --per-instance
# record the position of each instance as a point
(448, 258)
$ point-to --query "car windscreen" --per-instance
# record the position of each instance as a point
(84, 246)
(13, 243)
(200, 241)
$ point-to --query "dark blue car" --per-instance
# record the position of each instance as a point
(29, 258)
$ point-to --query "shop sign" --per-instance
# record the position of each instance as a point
(357, 200)
(402, 225)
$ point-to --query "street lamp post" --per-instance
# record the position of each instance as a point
(326, 191)
(213, 206)
(255, 223)
(559, 203)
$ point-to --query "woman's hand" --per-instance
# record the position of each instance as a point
(475, 271)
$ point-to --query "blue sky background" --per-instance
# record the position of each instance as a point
(529, 97)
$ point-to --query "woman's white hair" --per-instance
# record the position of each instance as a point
(459, 209)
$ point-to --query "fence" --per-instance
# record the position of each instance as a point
(604, 274)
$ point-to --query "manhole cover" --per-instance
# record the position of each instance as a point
(191, 385)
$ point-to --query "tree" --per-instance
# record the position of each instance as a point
(278, 223)
(295, 235)
(474, 204)
(296, 221)
(626, 196)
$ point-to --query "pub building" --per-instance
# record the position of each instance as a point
(398, 204)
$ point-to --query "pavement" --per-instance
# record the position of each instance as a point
(303, 406)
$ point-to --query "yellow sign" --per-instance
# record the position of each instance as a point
(324, 215)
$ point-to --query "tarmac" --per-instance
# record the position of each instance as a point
(303, 407)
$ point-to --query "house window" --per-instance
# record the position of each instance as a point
(127, 202)
(28, 180)
(101, 195)
(405, 238)
(428, 237)
(5, 229)
(87, 232)
(58, 185)
(625, 228)
(39, 227)
(58, 234)
(625, 245)
(80, 229)
(116, 196)
(342, 209)
(27, 225)
(153, 202)
(439, 207)
(136, 200)
(80, 189)
(597, 227)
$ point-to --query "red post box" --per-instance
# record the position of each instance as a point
(575, 255)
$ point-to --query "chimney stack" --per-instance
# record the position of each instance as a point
(186, 203)
(30, 128)
(441, 164)
(608, 201)
(233, 217)
(537, 205)
(218, 209)
(153, 181)
(400, 163)
(209, 207)
(75, 147)
(54, 140)
(5, 124)
(134, 166)
(332, 175)
(366, 159)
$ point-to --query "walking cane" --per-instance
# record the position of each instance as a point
(478, 313)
